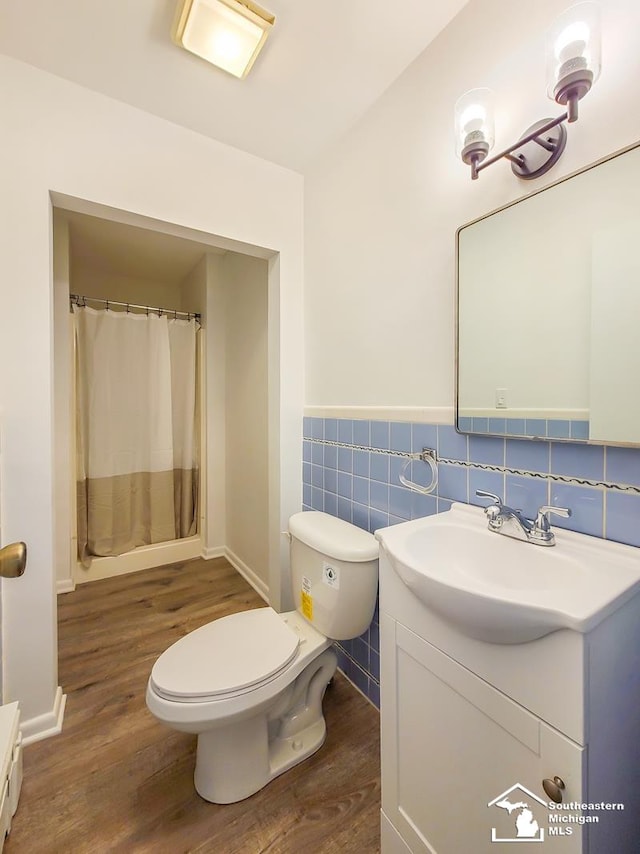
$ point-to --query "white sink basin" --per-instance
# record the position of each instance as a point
(501, 590)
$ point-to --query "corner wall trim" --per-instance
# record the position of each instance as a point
(248, 574)
(44, 726)
(65, 585)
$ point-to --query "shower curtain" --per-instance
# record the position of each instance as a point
(136, 456)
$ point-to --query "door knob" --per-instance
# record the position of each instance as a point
(554, 788)
(13, 560)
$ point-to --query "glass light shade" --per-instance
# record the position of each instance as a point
(227, 33)
(474, 122)
(574, 50)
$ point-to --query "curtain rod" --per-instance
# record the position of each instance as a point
(77, 299)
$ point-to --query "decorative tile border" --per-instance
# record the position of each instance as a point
(556, 478)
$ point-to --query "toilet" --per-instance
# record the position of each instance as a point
(251, 684)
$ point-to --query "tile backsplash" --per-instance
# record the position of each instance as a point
(351, 470)
(541, 428)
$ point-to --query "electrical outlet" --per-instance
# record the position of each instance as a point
(501, 398)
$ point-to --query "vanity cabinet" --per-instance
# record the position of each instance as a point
(10, 766)
(470, 730)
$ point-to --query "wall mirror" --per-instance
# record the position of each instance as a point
(549, 311)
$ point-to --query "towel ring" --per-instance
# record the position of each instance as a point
(427, 455)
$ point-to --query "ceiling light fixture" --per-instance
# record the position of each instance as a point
(227, 33)
(573, 66)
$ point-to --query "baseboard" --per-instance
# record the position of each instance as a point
(391, 841)
(248, 574)
(210, 553)
(44, 726)
(65, 585)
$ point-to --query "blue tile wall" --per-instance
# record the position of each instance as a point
(356, 479)
(541, 428)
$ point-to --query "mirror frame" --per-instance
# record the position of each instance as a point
(511, 204)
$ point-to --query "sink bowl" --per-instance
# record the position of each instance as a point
(501, 590)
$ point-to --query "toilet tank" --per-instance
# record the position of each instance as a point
(334, 573)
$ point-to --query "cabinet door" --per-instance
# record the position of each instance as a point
(462, 764)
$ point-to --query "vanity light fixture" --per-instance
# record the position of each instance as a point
(573, 66)
(227, 33)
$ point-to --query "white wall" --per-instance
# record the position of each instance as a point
(62, 139)
(64, 505)
(382, 206)
(194, 298)
(193, 288)
(240, 470)
(91, 281)
(213, 315)
(247, 475)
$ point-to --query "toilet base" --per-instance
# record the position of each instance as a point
(287, 752)
(220, 783)
(236, 761)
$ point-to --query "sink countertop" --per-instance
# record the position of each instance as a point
(502, 590)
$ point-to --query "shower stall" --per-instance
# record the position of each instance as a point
(161, 403)
(136, 432)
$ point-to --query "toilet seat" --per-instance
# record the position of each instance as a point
(225, 658)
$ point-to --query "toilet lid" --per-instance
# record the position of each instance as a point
(229, 655)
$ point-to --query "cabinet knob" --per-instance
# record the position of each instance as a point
(554, 788)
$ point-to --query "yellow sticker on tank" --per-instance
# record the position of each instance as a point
(307, 605)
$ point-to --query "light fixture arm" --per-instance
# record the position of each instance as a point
(572, 106)
(534, 135)
(573, 66)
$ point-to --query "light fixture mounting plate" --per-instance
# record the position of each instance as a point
(538, 157)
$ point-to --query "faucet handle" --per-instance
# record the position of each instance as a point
(495, 498)
(542, 519)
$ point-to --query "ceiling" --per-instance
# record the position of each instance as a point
(323, 65)
(125, 250)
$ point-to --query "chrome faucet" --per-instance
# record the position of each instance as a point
(505, 520)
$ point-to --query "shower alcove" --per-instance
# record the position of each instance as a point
(105, 259)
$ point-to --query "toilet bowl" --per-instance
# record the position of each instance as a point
(251, 684)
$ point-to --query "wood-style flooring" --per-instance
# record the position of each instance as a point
(116, 780)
